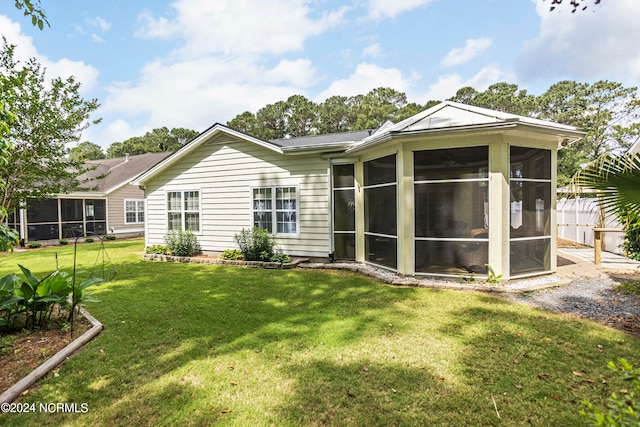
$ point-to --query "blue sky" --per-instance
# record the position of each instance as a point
(192, 63)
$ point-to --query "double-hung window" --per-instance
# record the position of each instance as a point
(276, 205)
(134, 211)
(183, 210)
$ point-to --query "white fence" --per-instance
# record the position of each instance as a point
(578, 217)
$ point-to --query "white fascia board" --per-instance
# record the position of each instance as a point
(336, 146)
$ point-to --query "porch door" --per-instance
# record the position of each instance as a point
(344, 212)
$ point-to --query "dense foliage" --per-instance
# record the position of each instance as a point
(623, 407)
(255, 244)
(182, 242)
(46, 116)
(30, 302)
(606, 111)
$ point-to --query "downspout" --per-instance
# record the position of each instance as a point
(331, 243)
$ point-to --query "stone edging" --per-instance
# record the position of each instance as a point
(382, 275)
(16, 390)
(218, 261)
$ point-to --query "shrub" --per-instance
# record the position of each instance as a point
(88, 240)
(624, 409)
(157, 249)
(281, 258)
(182, 243)
(110, 237)
(64, 242)
(231, 254)
(255, 244)
(34, 245)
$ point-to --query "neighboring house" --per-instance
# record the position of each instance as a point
(111, 206)
(444, 192)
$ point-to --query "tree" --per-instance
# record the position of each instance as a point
(574, 3)
(607, 111)
(300, 116)
(334, 115)
(271, 121)
(614, 181)
(158, 140)
(86, 151)
(245, 122)
(376, 107)
(35, 11)
(501, 96)
(48, 116)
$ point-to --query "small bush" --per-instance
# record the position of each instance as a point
(281, 258)
(110, 237)
(255, 244)
(231, 254)
(64, 242)
(88, 240)
(34, 245)
(182, 243)
(157, 249)
(624, 408)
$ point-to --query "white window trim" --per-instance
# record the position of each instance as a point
(274, 210)
(137, 211)
(182, 210)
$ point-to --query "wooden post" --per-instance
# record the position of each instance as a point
(597, 245)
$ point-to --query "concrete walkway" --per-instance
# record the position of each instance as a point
(579, 262)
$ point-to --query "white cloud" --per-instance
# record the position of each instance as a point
(374, 50)
(379, 9)
(101, 24)
(86, 74)
(367, 77)
(599, 43)
(448, 85)
(471, 49)
(195, 94)
(299, 73)
(240, 26)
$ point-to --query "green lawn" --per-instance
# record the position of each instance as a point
(200, 345)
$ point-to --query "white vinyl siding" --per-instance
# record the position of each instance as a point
(226, 171)
(133, 211)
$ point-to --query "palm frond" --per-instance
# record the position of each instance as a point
(614, 181)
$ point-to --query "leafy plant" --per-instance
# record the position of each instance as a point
(34, 245)
(281, 258)
(157, 249)
(492, 277)
(37, 298)
(110, 237)
(624, 408)
(231, 254)
(88, 240)
(64, 242)
(182, 242)
(255, 244)
(629, 287)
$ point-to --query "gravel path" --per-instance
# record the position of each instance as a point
(592, 298)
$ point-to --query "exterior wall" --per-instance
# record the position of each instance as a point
(115, 210)
(225, 170)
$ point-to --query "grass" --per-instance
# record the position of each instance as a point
(629, 287)
(202, 345)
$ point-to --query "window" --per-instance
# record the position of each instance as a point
(381, 212)
(530, 209)
(133, 211)
(344, 212)
(451, 210)
(276, 204)
(183, 210)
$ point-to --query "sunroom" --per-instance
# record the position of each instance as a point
(453, 191)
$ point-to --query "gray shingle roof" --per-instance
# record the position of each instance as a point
(318, 140)
(110, 174)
